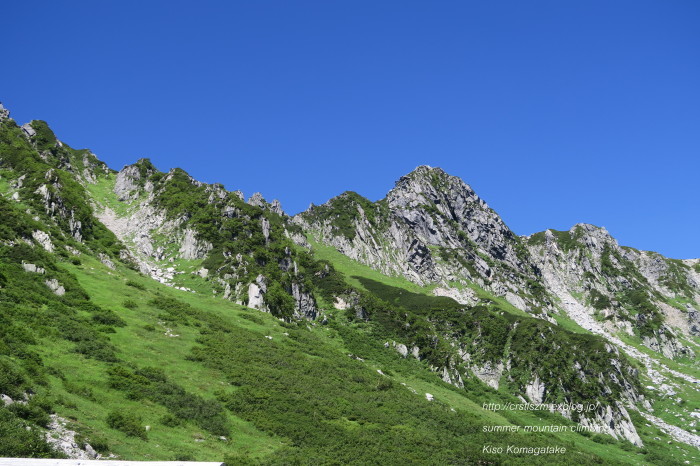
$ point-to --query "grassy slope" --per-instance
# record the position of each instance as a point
(140, 347)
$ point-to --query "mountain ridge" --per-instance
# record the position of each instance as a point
(508, 299)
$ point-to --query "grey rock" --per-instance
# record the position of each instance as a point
(257, 200)
(43, 239)
(104, 258)
(489, 373)
(32, 268)
(535, 390)
(191, 247)
(4, 113)
(56, 287)
(28, 130)
(256, 293)
(401, 348)
(265, 223)
(127, 184)
(276, 207)
(63, 439)
(305, 302)
(694, 322)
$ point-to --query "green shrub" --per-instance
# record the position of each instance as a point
(108, 317)
(80, 390)
(384, 384)
(128, 423)
(130, 304)
(252, 317)
(99, 443)
(97, 349)
(18, 442)
(136, 285)
(599, 300)
(12, 381)
(239, 460)
(31, 412)
(279, 301)
(170, 421)
(152, 384)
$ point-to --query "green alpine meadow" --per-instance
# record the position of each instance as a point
(149, 316)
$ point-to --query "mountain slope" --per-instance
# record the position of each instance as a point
(433, 230)
(136, 291)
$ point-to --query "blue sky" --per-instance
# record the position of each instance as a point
(555, 112)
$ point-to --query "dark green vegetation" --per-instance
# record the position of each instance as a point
(675, 280)
(152, 384)
(490, 333)
(45, 177)
(343, 211)
(400, 298)
(128, 423)
(567, 241)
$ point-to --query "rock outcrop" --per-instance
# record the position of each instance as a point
(431, 228)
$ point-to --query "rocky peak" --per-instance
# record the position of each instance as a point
(426, 180)
(276, 207)
(592, 236)
(4, 113)
(257, 200)
(132, 177)
(145, 164)
(433, 189)
(445, 211)
(430, 228)
(180, 173)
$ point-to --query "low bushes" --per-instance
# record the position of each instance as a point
(128, 423)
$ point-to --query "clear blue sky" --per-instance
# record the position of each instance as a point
(556, 112)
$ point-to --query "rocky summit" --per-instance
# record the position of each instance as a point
(147, 315)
